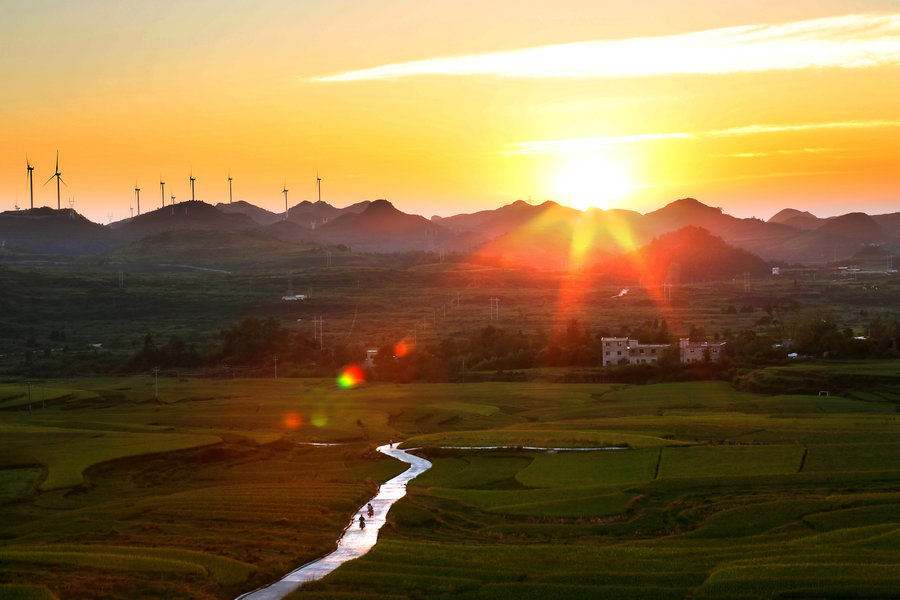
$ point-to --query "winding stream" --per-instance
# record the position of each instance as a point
(354, 542)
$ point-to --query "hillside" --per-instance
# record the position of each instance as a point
(260, 215)
(190, 215)
(210, 249)
(857, 225)
(383, 228)
(796, 218)
(51, 231)
(312, 214)
(690, 254)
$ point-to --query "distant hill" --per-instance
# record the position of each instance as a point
(312, 214)
(190, 215)
(289, 231)
(889, 222)
(559, 237)
(856, 225)
(770, 240)
(689, 254)
(383, 228)
(260, 215)
(796, 218)
(50, 231)
(547, 235)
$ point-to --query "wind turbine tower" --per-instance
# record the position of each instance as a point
(137, 195)
(58, 176)
(285, 191)
(230, 199)
(319, 185)
(193, 179)
(30, 181)
(162, 193)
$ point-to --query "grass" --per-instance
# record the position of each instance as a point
(542, 438)
(715, 487)
(68, 452)
(715, 461)
(12, 591)
(852, 457)
(224, 570)
(100, 560)
(590, 468)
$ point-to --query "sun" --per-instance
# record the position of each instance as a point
(592, 182)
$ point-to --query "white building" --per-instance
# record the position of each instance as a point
(695, 351)
(624, 351)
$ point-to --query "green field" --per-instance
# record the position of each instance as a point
(209, 491)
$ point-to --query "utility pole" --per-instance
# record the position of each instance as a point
(156, 382)
(29, 396)
(276, 366)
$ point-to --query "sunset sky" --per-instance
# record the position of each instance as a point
(450, 107)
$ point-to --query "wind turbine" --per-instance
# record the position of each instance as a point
(230, 200)
(319, 184)
(162, 192)
(58, 176)
(137, 195)
(193, 179)
(30, 180)
(285, 191)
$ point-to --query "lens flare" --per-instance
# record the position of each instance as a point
(319, 419)
(350, 377)
(402, 348)
(293, 420)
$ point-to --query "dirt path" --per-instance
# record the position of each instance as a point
(354, 542)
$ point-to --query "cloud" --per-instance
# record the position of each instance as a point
(592, 144)
(851, 41)
(754, 129)
(783, 152)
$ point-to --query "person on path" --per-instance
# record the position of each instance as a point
(371, 510)
(362, 522)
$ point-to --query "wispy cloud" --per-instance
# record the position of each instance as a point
(850, 41)
(783, 152)
(593, 144)
(753, 129)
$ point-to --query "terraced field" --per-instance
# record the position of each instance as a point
(210, 491)
(733, 502)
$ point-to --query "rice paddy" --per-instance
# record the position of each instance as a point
(210, 491)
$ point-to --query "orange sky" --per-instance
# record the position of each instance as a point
(448, 107)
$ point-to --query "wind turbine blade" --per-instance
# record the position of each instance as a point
(57, 161)
(49, 180)
(63, 182)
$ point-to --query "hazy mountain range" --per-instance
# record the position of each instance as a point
(545, 235)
